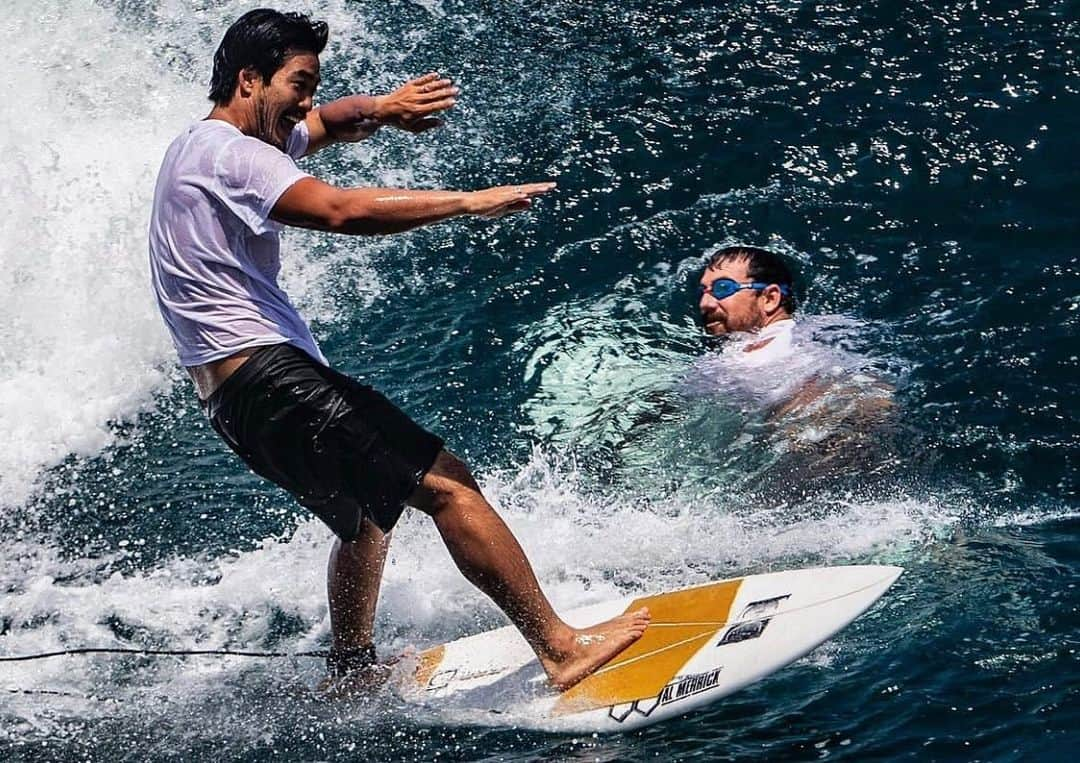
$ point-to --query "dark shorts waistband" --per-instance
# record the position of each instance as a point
(254, 366)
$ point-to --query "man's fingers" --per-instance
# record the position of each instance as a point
(434, 106)
(429, 77)
(436, 86)
(502, 200)
(440, 94)
(429, 84)
(535, 189)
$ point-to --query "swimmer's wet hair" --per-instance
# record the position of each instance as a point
(262, 39)
(761, 265)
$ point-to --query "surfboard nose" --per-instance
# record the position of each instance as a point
(890, 574)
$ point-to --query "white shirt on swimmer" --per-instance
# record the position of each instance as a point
(215, 252)
(765, 346)
(752, 367)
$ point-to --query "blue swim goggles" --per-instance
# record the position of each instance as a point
(722, 288)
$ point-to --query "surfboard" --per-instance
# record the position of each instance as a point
(703, 643)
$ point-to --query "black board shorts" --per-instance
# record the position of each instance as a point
(342, 449)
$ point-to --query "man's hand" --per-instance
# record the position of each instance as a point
(413, 105)
(505, 199)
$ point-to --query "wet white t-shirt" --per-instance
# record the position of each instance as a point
(215, 252)
(756, 367)
(769, 345)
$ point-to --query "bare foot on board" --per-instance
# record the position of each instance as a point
(364, 682)
(588, 649)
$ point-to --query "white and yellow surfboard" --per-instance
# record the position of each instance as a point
(703, 643)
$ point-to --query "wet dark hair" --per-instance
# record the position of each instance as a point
(262, 39)
(761, 265)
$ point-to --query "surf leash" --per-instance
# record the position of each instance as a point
(156, 653)
(121, 650)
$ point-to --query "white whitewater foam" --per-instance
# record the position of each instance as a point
(583, 552)
(584, 549)
(89, 108)
(87, 118)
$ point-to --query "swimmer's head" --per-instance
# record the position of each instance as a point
(760, 290)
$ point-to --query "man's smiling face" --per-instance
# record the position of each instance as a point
(286, 99)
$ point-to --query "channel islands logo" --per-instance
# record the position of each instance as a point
(754, 619)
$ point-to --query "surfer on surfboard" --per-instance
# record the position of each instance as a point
(227, 186)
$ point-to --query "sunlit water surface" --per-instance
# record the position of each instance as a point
(917, 162)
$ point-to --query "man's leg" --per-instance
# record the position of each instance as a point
(488, 555)
(353, 576)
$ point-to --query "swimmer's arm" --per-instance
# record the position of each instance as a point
(851, 414)
(411, 107)
(311, 203)
(825, 398)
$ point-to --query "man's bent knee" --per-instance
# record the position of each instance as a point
(446, 481)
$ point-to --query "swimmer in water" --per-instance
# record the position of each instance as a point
(747, 291)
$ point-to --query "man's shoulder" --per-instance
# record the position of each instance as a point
(214, 148)
(216, 134)
(199, 138)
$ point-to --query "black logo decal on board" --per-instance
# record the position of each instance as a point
(443, 678)
(688, 686)
(753, 620)
(620, 713)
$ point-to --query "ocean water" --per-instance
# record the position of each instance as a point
(917, 161)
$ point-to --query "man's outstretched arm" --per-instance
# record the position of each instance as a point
(412, 107)
(311, 203)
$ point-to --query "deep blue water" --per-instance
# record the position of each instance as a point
(916, 162)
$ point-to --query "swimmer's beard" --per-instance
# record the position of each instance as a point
(709, 340)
